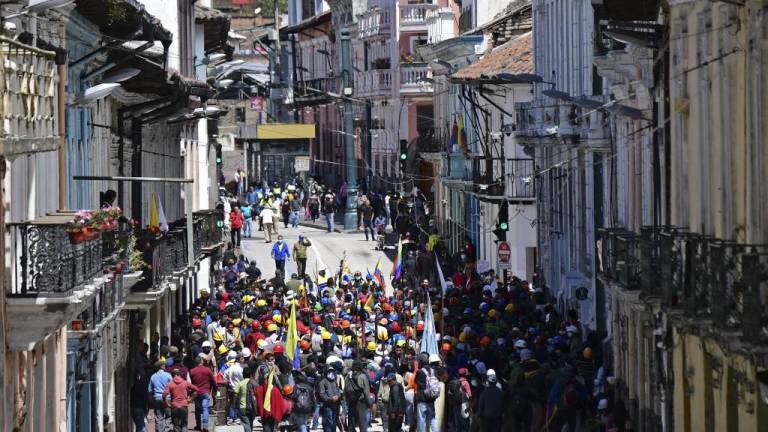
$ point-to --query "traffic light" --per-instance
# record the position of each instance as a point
(403, 154)
(502, 222)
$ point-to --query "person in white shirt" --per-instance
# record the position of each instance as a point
(267, 216)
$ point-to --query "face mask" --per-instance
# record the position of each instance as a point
(279, 242)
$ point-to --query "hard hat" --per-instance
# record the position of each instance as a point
(382, 334)
(218, 336)
(261, 303)
(272, 327)
(434, 358)
(223, 349)
(231, 355)
(255, 325)
(287, 389)
(304, 344)
(371, 346)
(587, 353)
(345, 324)
(509, 307)
(278, 349)
(206, 344)
(196, 322)
(261, 343)
(325, 335)
(400, 343)
(492, 313)
(237, 322)
(246, 352)
(277, 318)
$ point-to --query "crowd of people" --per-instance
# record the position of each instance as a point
(346, 350)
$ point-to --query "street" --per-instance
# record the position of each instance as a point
(326, 251)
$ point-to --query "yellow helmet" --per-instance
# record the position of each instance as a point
(325, 335)
(272, 327)
(371, 346)
(382, 333)
(261, 344)
(247, 298)
(492, 313)
(218, 335)
(463, 337)
(261, 303)
(401, 343)
(223, 349)
(237, 322)
(277, 318)
(368, 309)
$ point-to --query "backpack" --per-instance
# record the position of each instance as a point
(305, 400)
(570, 394)
(352, 390)
(432, 389)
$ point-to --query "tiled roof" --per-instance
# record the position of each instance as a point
(204, 13)
(514, 57)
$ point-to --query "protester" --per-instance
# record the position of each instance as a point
(236, 223)
(280, 253)
(300, 254)
(267, 220)
(180, 391)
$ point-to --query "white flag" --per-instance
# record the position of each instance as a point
(440, 276)
(429, 338)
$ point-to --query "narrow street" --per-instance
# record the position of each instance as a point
(327, 251)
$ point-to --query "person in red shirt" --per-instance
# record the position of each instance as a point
(278, 410)
(202, 377)
(179, 391)
(236, 224)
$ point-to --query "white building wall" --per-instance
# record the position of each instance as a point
(168, 14)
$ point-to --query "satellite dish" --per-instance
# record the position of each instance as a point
(121, 75)
(98, 91)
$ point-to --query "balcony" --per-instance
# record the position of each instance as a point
(30, 110)
(721, 282)
(413, 17)
(207, 233)
(415, 78)
(457, 167)
(521, 180)
(440, 24)
(374, 83)
(316, 91)
(375, 22)
(165, 254)
(552, 121)
(53, 281)
(488, 176)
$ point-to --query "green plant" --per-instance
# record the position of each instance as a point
(116, 11)
(135, 257)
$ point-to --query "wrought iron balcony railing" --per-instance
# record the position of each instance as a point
(521, 179)
(45, 262)
(488, 175)
(702, 276)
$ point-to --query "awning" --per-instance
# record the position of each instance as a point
(514, 57)
(278, 131)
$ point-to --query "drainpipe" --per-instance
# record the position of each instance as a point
(61, 96)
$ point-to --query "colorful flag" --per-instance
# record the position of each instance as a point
(378, 275)
(440, 275)
(429, 339)
(397, 266)
(454, 136)
(292, 341)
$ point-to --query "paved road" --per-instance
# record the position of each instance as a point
(327, 250)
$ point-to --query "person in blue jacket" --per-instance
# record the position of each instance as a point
(280, 253)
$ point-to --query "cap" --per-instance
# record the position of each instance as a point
(246, 352)
(391, 377)
(278, 349)
(572, 329)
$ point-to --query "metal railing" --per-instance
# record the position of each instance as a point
(45, 262)
(521, 178)
(376, 82)
(375, 22)
(488, 175)
(702, 276)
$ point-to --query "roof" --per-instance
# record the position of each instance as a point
(133, 21)
(312, 21)
(514, 57)
(215, 27)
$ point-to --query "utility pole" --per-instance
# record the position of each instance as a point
(350, 216)
(278, 80)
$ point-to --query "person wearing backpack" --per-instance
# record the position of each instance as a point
(329, 393)
(567, 399)
(304, 403)
(427, 392)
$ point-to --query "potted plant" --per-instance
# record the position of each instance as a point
(79, 228)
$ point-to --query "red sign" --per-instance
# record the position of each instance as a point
(257, 103)
(504, 253)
